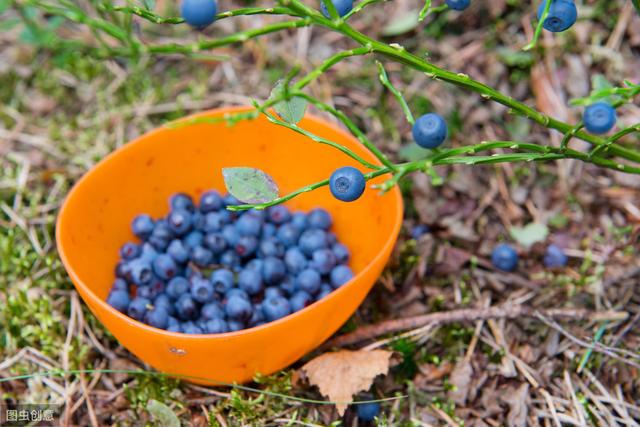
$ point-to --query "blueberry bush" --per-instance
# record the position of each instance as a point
(119, 37)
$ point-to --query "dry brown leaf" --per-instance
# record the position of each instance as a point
(342, 374)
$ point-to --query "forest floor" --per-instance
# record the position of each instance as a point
(61, 113)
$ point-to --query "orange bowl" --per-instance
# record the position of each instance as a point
(94, 222)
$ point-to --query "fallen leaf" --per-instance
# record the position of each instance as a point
(162, 414)
(342, 374)
(517, 401)
(531, 233)
(461, 379)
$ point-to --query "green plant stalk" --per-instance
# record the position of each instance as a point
(538, 31)
(384, 79)
(157, 19)
(399, 54)
(631, 129)
(319, 139)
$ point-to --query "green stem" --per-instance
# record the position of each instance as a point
(156, 19)
(302, 190)
(536, 34)
(330, 62)
(384, 79)
(321, 140)
(351, 126)
(631, 129)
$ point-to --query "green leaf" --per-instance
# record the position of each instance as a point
(402, 24)
(149, 4)
(599, 82)
(425, 10)
(531, 233)
(162, 414)
(412, 152)
(250, 185)
(292, 110)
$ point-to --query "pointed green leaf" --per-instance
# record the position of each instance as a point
(162, 414)
(402, 24)
(531, 233)
(292, 110)
(250, 185)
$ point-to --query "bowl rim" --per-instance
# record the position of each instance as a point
(221, 111)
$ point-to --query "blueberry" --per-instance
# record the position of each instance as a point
(419, 230)
(269, 230)
(163, 300)
(177, 286)
(555, 257)
(123, 271)
(230, 259)
(222, 280)
(325, 289)
(173, 321)
(191, 328)
(235, 325)
(295, 260)
(249, 225)
(179, 221)
(142, 226)
(197, 220)
(213, 310)
(323, 260)
(138, 307)
(120, 285)
(271, 246)
(255, 264)
(213, 221)
(458, 4)
(141, 273)
(273, 292)
(229, 200)
(504, 257)
(156, 287)
(257, 318)
(275, 308)
(562, 15)
(341, 253)
(201, 256)
(181, 200)
(309, 281)
(278, 214)
(230, 234)
(130, 251)
(158, 317)
(119, 299)
(340, 275)
(174, 328)
(215, 243)
(332, 239)
(148, 252)
(312, 240)
(299, 220)
(288, 286)
(430, 130)
(186, 307)
(342, 7)
(288, 234)
(347, 184)
(367, 412)
(143, 292)
(246, 246)
(210, 201)
(177, 251)
(319, 218)
(216, 326)
(273, 270)
(599, 118)
(250, 281)
(164, 267)
(235, 292)
(238, 308)
(300, 300)
(201, 290)
(193, 239)
(162, 230)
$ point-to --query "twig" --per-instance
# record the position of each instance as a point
(471, 315)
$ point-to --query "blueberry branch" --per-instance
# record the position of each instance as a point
(538, 31)
(384, 79)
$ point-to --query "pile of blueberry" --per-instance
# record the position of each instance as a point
(206, 270)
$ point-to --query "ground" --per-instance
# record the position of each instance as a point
(61, 113)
